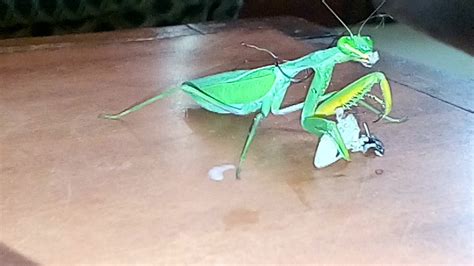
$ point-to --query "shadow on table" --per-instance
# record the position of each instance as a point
(10, 257)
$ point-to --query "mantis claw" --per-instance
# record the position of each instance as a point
(395, 120)
(378, 118)
(380, 115)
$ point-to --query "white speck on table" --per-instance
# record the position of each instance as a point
(217, 173)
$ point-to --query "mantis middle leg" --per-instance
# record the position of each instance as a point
(253, 129)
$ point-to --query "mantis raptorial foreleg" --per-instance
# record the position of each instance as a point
(346, 98)
(320, 126)
(376, 99)
(355, 92)
(362, 103)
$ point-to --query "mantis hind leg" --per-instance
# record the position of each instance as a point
(250, 137)
(140, 105)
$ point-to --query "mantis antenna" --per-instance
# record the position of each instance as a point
(262, 50)
(371, 15)
(338, 18)
(277, 63)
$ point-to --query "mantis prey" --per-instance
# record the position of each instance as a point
(262, 90)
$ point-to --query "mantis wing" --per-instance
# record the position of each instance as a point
(239, 92)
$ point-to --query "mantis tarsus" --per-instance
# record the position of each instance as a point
(262, 90)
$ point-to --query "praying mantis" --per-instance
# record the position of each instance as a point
(262, 90)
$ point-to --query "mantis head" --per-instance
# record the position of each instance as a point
(359, 48)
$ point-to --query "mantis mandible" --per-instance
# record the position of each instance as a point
(262, 90)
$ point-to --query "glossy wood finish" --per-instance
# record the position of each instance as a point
(76, 189)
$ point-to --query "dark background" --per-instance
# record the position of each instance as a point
(451, 21)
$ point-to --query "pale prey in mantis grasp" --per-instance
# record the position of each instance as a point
(327, 152)
(262, 91)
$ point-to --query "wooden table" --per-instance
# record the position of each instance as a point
(77, 189)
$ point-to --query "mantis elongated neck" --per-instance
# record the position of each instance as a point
(327, 58)
(323, 63)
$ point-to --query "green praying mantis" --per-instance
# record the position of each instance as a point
(262, 90)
